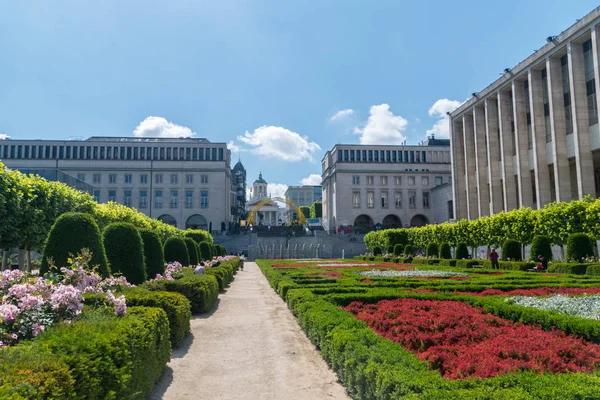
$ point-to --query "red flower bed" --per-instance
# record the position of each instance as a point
(395, 266)
(367, 281)
(330, 274)
(461, 341)
(544, 291)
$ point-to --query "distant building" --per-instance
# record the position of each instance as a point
(301, 196)
(238, 187)
(366, 187)
(270, 213)
(185, 182)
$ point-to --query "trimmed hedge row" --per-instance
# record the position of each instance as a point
(97, 357)
(200, 290)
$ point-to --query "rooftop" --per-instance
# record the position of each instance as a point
(146, 139)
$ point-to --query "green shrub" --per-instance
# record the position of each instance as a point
(466, 263)
(70, 233)
(153, 253)
(205, 251)
(377, 251)
(462, 252)
(200, 290)
(408, 250)
(125, 251)
(541, 246)
(511, 250)
(175, 249)
(445, 251)
(390, 249)
(433, 250)
(398, 249)
(579, 247)
(193, 251)
(199, 235)
(222, 250)
(593, 269)
(448, 262)
(569, 268)
(510, 265)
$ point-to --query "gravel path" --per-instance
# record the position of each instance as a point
(249, 347)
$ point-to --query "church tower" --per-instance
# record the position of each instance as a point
(259, 188)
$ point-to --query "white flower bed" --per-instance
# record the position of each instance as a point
(587, 306)
(415, 274)
(344, 265)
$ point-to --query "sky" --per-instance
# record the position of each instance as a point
(281, 82)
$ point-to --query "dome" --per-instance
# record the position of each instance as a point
(239, 165)
(260, 179)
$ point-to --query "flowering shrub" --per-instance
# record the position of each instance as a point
(584, 306)
(415, 274)
(171, 270)
(462, 341)
(542, 291)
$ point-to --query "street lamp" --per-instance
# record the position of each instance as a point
(250, 233)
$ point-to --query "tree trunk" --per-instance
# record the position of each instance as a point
(28, 260)
(21, 259)
(4, 259)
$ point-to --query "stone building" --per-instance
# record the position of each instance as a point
(238, 188)
(301, 196)
(269, 214)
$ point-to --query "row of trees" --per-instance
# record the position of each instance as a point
(556, 221)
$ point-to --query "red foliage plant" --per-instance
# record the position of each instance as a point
(462, 341)
(330, 274)
(543, 291)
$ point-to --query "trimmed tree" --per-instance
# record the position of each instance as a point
(541, 246)
(153, 253)
(176, 250)
(199, 235)
(125, 251)
(205, 251)
(579, 246)
(377, 251)
(390, 249)
(192, 249)
(512, 250)
(433, 250)
(70, 233)
(398, 249)
(445, 251)
(462, 252)
(408, 250)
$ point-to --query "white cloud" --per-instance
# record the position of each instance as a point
(278, 142)
(4, 136)
(341, 114)
(276, 189)
(233, 147)
(438, 110)
(382, 127)
(311, 180)
(160, 127)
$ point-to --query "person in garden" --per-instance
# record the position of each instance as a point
(242, 259)
(494, 259)
(543, 263)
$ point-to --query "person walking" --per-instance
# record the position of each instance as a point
(494, 259)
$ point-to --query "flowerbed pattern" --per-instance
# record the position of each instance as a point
(415, 274)
(583, 306)
(462, 341)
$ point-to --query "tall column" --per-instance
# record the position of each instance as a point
(538, 128)
(493, 155)
(523, 171)
(506, 151)
(558, 129)
(481, 161)
(581, 131)
(459, 191)
(470, 181)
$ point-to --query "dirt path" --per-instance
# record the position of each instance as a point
(251, 347)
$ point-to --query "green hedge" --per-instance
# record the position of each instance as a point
(510, 265)
(193, 251)
(462, 252)
(153, 253)
(175, 249)
(579, 246)
(511, 249)
(125, 251)
(572, 268)
(445, 251)
(201, 290)
(97, 357)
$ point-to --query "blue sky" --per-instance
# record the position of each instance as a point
(281, 81)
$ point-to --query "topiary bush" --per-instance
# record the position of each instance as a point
(579, 247)
(125, 251)
(398, 249)
(205, 251)
(222, 250)
(377, 251)
(511, 250)
(175, 249)
(445, 251)
(408, 250)
(199, 235)
(390, 249)
(153, 253)
(433, 250)
(192, 249)
(540, 245)
(462, 252)
(70, 233)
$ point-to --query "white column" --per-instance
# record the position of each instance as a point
(493, 155)
(458, 169)
(506, 143)
(470, 181)
(481, 161)
(523, 171)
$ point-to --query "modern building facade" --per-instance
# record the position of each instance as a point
(270, 213)
(301, 196)
(532, 136)
(185, 182)
(238, 188)
(371, 186)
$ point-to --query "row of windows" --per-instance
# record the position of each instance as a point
(172, 201)
(110, 153)
(128, 178)
(384, 199)
(383, 180)
(392, 156)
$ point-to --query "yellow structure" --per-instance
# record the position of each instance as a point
(301, 217)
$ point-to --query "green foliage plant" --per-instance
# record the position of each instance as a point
(377, 251)
(445, 251)
(125, 251)
(193, 250)
(511, 250)
(579, 247)
(462, 251)
(175, 249)
(433, 250)
(316, 210)
(398, 249)
(205, 251)
(408, 250)
(153, 253)
(540, 246)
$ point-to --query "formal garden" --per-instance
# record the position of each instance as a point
(113, 293)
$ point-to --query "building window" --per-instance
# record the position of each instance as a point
(112, 178)
(203, 178)
(376, 159)
(143, 199)
(97, 196)
(96, 178)
(81, 177)
(370, 180)
(439, 180)
(189, 178)
(144, 178)
(174, 199)
(128, 178)
(370, 199)
(174, 178)
(412, 199)
(411, 181)
(564, 63)
(158, 178)
(384, 180)
(398, 180)
(424, 181)
(398, 199)
(355, 180)
(384, 199)
(158, 199)
(127, 198)
(204, 199)
(425, 199)
(590, 82)
(356, 199)
(112, 195)
(450, 209)
(189, 198)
